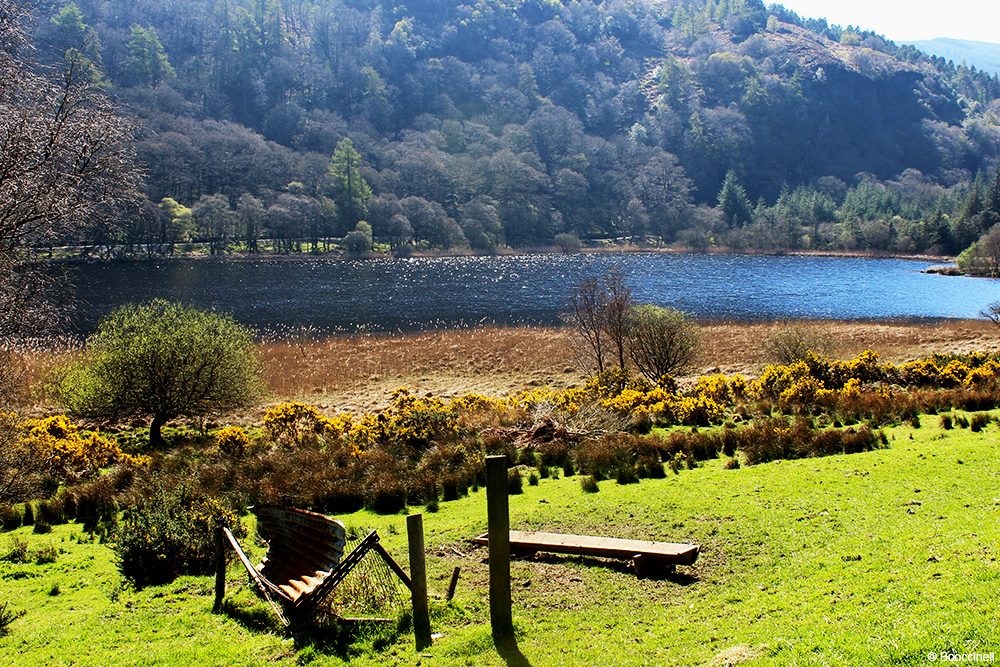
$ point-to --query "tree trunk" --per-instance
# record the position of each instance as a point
(155, 437)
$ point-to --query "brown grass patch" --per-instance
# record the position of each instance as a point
(358, 372)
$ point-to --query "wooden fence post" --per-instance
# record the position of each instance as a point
(220, 569)
(498, 517)
(418, 575)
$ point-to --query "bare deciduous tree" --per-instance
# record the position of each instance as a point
(66, 162)
(618, 303)
(598, 311)
(586, 315)
(992, 313)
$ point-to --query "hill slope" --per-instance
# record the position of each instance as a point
(510, 121)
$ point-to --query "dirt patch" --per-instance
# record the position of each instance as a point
(735, 655)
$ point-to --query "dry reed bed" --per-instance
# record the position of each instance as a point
(357, 373)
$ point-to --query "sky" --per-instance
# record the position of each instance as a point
(907, 20)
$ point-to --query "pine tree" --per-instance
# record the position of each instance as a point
(733, 201)
(349, 189)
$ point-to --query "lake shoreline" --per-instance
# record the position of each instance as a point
(625, 249)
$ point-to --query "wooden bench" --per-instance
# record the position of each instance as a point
(648, 557)
(304, 560)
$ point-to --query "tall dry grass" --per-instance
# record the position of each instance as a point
(358, 372)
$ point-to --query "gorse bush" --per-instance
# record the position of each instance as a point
(167, 532)
(422, 450)
(233, 441)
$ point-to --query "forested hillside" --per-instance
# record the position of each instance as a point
(508, 122)
(982, 55)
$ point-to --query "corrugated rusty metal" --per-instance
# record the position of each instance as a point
(303, 548)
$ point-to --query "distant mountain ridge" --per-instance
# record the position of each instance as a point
(981, 55)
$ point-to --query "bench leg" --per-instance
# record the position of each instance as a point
(646, 566)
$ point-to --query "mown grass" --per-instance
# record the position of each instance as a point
(875, 558)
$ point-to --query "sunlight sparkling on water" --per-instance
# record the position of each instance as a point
(420, 293)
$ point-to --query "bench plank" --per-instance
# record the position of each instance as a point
(605, 547)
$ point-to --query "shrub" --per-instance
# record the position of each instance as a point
(294, 423)
(385, 482)
(515, 484)
(533, 478)
(96, 504)
(979, 421)
(589, 484)
(732, 463)
(626, 476)
(52, 511)
(169, 532)
(945, 422)
(961, 421)
(233, 441)
(28, 516)
(42, 528)
(680, 461)
(661, 341)
(10, 517)
(17, 551)
(162, 360)
(46, 555)
(789, 343)
(72, 456)
(7, 616)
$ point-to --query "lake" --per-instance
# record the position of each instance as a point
(409, 294)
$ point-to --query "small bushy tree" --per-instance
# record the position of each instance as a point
(162, 360)
(661, 341)
(789, 343)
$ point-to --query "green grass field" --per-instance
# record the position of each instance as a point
(867, 559)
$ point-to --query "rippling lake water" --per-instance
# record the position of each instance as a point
(408, 294)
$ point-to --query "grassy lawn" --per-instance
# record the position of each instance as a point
(866, 559)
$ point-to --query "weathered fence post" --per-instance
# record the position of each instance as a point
(498, 517)
(453, 584)
(220, 569)
(418, 575)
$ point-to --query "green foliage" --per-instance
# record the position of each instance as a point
(17, 550)
(261, 89)
(146, 63)
(168, 532)
(349, 189)
(733, 202)
(515, 483)
(162, 360)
